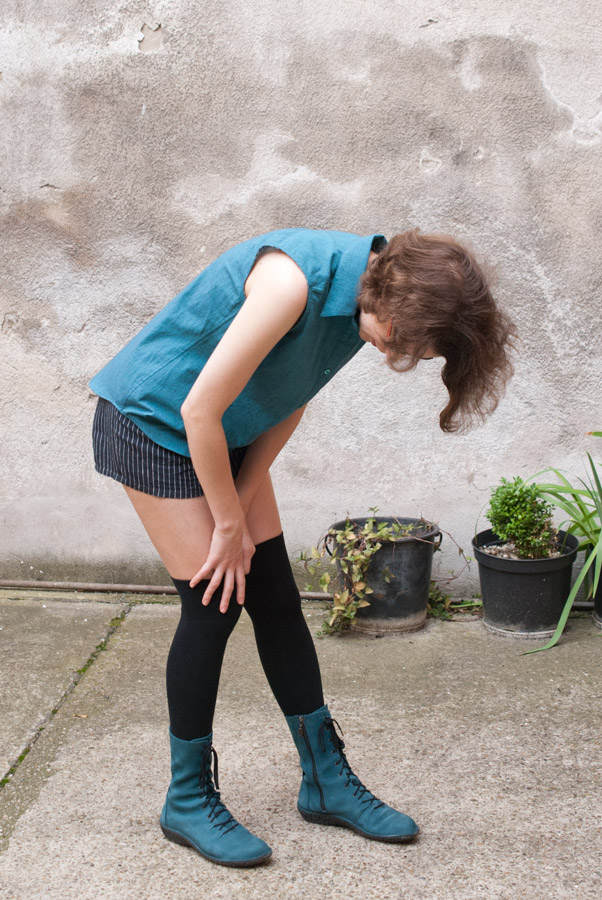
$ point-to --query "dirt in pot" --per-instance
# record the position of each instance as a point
(508, 551)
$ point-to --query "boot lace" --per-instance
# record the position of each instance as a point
(328, 731)
(211, 794)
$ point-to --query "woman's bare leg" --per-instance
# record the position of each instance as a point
(181, 530)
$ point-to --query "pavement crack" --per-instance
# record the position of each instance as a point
(76, 677)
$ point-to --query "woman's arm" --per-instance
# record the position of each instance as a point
(276, 295)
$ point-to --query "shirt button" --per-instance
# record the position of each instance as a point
(327, 371)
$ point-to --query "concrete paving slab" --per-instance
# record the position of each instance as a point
(496, 754)
(43, 642)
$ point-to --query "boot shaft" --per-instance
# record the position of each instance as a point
(313, 737)
(190, 769)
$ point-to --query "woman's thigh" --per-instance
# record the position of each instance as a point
(181, 530)
(263, 518)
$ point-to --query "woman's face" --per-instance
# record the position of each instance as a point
(375, 332)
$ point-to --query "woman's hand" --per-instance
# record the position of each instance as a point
(228, 562)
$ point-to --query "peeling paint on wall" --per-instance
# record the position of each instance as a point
(152, 38)
(10, 322)
(428, 163)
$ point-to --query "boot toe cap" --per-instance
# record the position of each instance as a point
(393, 826)
(247, 846)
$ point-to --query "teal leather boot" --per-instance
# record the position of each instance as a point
(194, 814)
(331, 794)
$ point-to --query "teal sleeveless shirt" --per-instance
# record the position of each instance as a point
(150, 378)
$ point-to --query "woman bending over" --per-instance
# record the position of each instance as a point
(193, 412)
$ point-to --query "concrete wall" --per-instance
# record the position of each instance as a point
(142, 139)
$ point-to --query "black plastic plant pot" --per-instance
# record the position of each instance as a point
(524, 597)
(400, 576)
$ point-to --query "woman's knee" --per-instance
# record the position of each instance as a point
(208, 617)
(271, 586)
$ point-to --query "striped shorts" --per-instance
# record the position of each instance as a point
(123, 452)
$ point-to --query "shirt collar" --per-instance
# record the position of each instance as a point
(342, 296)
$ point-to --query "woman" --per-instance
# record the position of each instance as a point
(207, 394)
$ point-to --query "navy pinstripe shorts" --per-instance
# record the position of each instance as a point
(123, 452)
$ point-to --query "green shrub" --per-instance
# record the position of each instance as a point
(518, 516)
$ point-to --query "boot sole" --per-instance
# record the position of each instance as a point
(178, 838)
(328, 819)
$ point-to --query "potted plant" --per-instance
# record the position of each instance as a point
(524, 563)
(381, 573)
(582, 502)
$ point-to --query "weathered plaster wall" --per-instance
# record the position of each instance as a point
(128, 165)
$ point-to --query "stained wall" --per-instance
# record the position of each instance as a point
(143, 139)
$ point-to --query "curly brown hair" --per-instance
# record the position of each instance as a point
(436, 296)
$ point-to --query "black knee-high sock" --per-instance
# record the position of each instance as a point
(284, 643)
(195, 660)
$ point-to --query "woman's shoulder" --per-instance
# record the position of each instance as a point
(315, 251)
(291, 240)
